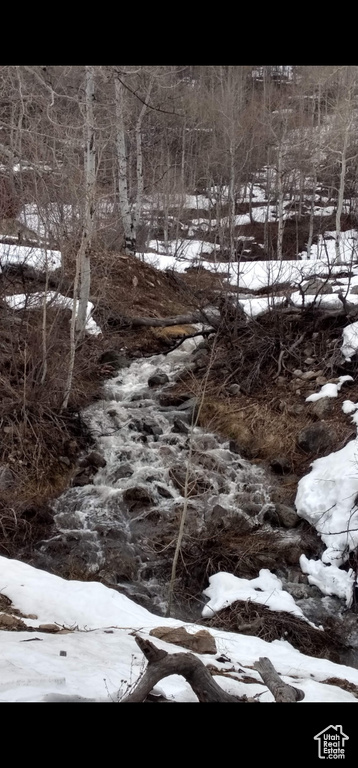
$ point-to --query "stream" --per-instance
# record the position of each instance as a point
(120, 524)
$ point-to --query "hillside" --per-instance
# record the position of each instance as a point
(178, 373)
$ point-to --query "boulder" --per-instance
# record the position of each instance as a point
(137, 495)
(316, 286)
(179, 426)
(281, 465)
(114, 358)
(317, 438)
(7, 477)
(322, 408)
(200, 642)
(158, 379)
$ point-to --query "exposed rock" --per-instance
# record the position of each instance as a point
(93, 459)
(301, 591)
(200, 642)
(281, 465)
(180, 426)
(137, 495)
(12, 623)
(317, 438)
(124, 470)
(164, 492)
(308, 375)
(82, 478)
(114, 358)
(7, 477)
(158, 379)
(52, 628)
(322, 408)
(287, 516)
(321, 380)
(316, 286)
(234, 389)
(296, 409)
(151, 428)
(170, 399)
(309, 361)
(197, 482)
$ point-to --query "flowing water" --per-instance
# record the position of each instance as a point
(122, 525)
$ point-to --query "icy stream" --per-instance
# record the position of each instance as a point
(112, 526)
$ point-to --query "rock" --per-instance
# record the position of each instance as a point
(321, 380)
(317, 438)
(301, 591)
(53, 628)
(234, 389)
(296, 409)
(198, 482)
(322, 408)
(287, 516)
(170, 399)
(281, 465)
(151, 428)
(7, 478)
(12, 623)
(179, 426)
(354, 289)
(64, 460)
(93, 459)
(158, 379)
(164, 491)
(308, 375)
(82, 478)
(317, 286)
(200, 642)
(137, 495)
(309, 361)
(297, 373)
(124, 470)
(114, 358)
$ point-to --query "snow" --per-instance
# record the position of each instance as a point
(350, 341)
(329, 579)
(38, 258)
(349, 407)
(54, 299)
(326, 497)
(95, 656)
(329, 390)
(224, 589)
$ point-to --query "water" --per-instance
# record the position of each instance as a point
(120, 528)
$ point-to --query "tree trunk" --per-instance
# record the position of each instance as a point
(85, 247)
(124, 207)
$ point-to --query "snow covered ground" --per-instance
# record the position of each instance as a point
(95, 656)
(53, 299)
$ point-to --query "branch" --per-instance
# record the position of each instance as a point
(280, 690)
(161, 665)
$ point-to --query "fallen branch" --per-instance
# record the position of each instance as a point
(161, 665)
(281, 691)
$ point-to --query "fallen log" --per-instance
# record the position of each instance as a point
(161, 665)
(164, 322)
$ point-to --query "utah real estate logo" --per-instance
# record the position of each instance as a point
(331, 743)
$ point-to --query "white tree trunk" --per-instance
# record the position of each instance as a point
(87, 232)
(140, 185)
(124, 206)
(341, 195)
(280, 223)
